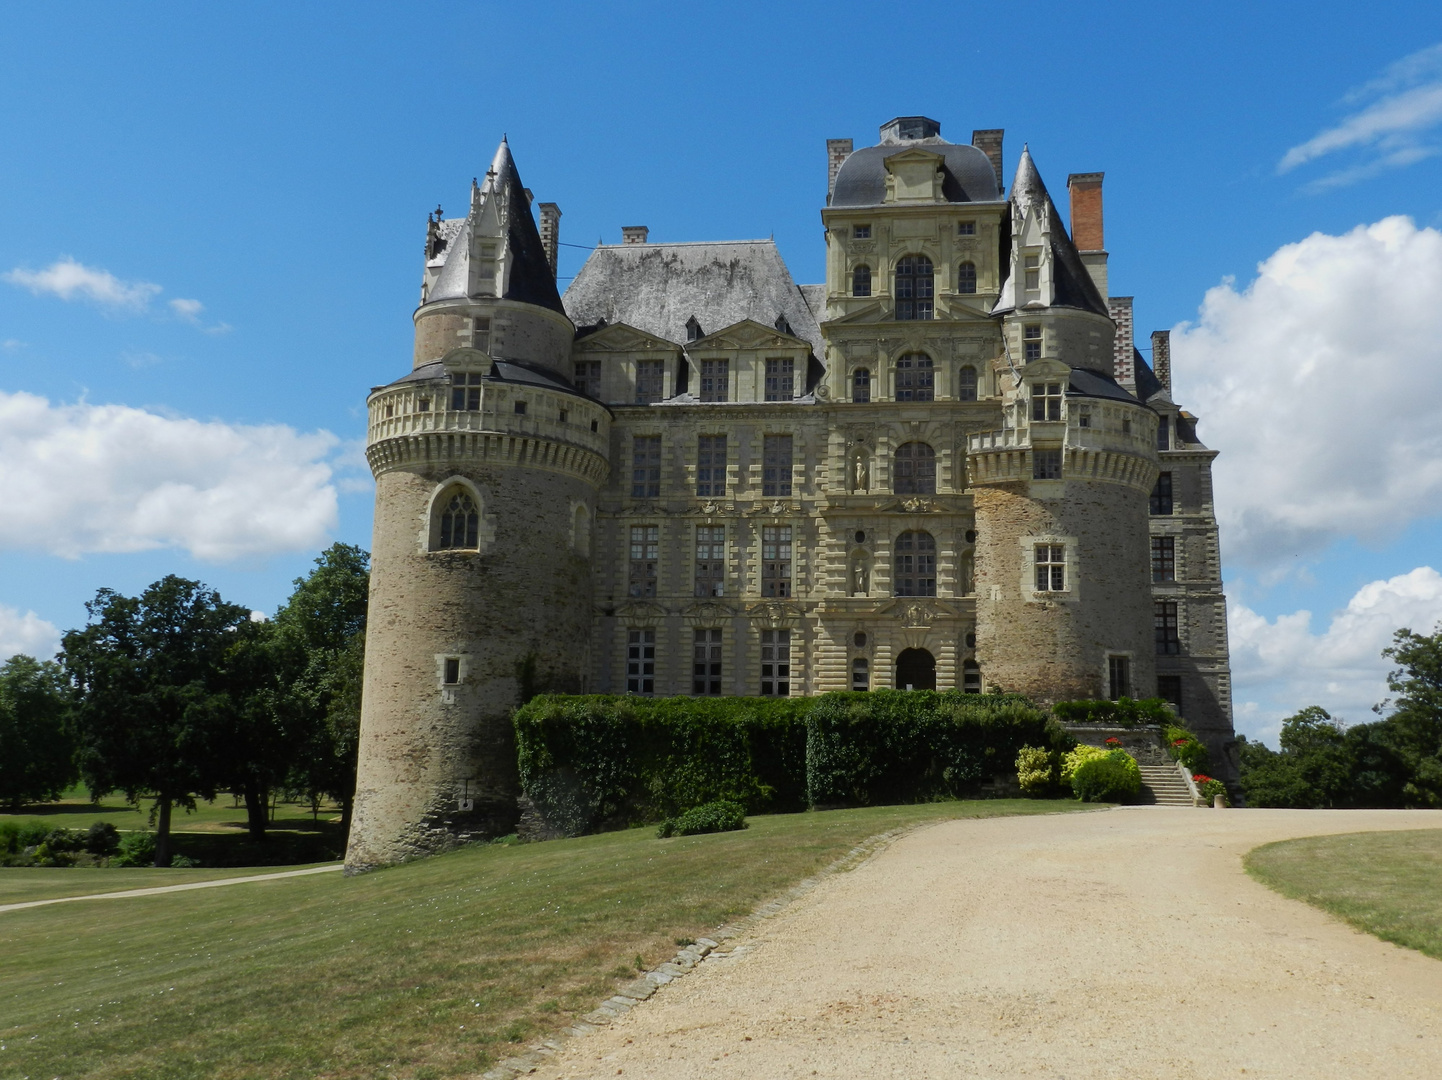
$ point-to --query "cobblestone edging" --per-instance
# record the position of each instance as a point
(686, 961)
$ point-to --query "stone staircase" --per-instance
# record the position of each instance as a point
(1162, 785)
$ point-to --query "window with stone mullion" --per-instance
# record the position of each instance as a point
(776, 466)
(715, 380)
(776, 560)
(710, 559)
(710, 466)
(650, 381)
(645, 556)
(915, 285)
(645, 466)
(915, 565)
(706, 661)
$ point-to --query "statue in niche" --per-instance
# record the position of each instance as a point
(860, 576)
(968, 575)
(860, 473)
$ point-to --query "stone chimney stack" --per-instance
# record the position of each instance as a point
(551, 232)
(1086, 224)
(1162, 358)
(634, 234)
(1124, 369)
(837, 151)
(989, 143)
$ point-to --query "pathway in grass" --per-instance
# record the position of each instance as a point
(1388, 884)
(433, 969)
(153, 890)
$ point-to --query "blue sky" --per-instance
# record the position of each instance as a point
(212, 219)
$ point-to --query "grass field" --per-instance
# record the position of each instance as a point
(429, 970)
(214, 834)
(1386, 883)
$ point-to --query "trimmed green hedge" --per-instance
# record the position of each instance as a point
(1124, 712)
(599, 761)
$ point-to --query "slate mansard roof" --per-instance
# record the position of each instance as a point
(659, 287)
(967, 173)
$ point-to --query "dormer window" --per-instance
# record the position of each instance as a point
(693, 330)
(1046, 401)
(466, 392)
(1031, 265)
(481, 334)
(1031, 343)
(861, 232)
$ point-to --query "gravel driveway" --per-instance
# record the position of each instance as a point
(1125, 943)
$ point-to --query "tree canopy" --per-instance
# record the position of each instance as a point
(37, 757)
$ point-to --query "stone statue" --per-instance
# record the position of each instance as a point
(860, 578)
(860, 478)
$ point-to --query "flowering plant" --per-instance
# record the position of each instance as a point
(1209, 788)
(1114, 741)
(1180, 742)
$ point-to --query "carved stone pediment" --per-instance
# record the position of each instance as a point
(710, 508)
(707, 613)
(775, 614)
(774, 508)
(641, 612)
(619, 337)
(747, 334)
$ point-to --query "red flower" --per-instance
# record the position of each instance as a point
(1114, 741)
(1201, 778)
(1180, 742)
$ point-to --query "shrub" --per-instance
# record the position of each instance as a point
(182, 862)
(102, 839)
(1209, 788)
(1037, 770)
(136, 849)
(891, 746)
(1111, 777)
(1186, 748)
(1082, 753)
(596, 761)
(1124, 712)
(719, 816)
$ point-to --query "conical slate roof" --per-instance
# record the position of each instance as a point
(1072, 284)
(500, 214)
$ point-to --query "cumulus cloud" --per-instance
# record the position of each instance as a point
(81, 478)
(71, 280)
(1396, 111)
(1320, 382)
(189, 311)
(1280, 665)
(27, 633)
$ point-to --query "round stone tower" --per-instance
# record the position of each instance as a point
(487, 463)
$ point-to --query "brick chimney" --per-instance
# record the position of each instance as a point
(837, 151)
(1162, 358)
(551, 232)
(634, 234)
(989, 143)
(1123, 367)
(1086, 224)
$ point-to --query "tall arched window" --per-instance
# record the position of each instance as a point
(915, 378)
(915, 565)
(914, 469)
(861, 385)
(966, 383)
(861, 281)
(914, 287)
(460, 522)
(966, 278)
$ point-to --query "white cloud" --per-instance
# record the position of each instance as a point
(71, 280)
(1405, 102)
(27, 633)
(1281, 665)
(187, 310)
(84, 478)
(1320, 382)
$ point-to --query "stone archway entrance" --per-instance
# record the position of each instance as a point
(915, 670)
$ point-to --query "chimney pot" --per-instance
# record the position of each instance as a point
(988, 141)
(634, 234)
(1086, 211)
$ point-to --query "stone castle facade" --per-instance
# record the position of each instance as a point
(947, 467)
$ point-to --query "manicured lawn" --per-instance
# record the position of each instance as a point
(433, 969)
(21, 883)
(1386, 883)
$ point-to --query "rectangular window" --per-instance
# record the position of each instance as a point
(640, 661)
(706, 661)
(1084, 417)
(588, 377)
(861, 232)
(966, 228)
(1051, 568)
(1119, 677)
(650, 379)
(423, 404)
(1169, 642)
(453, 670)
(466, 392)
(776, 466)
(1046, 401)
(1162, 495)
(1031, 265)
(776, 663)
(1046, 464)
(861, 674)
(520, 408)
(481, 334)
(1031, 343)
(1164, 431)
(861, 385)
(915, 378)
(780, 379)
(711, 466)
(1164, 558)
(715, 380)
(645, 466)
(710, 559)
(1169, 689)
(776, 560)
(970, 678)
(645, 552)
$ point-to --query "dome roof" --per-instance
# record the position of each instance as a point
(967, 173)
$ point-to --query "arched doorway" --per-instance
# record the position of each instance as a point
(915, 670)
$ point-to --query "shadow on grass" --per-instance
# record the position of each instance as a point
(311, 843)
